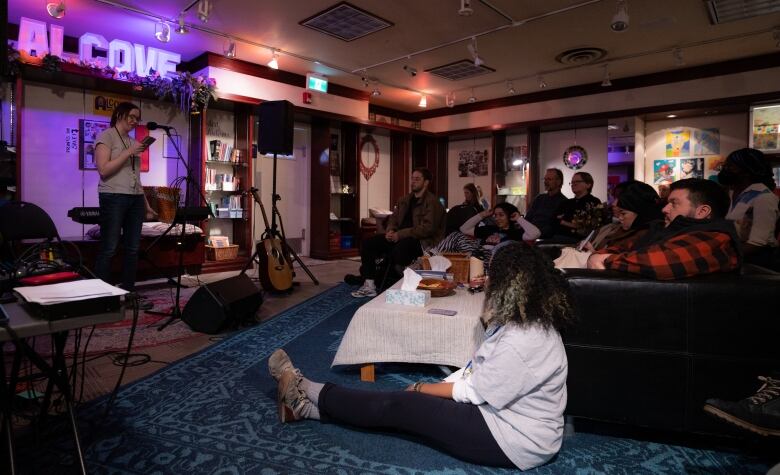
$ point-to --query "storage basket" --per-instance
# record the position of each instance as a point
(164, 200)
(459, 268)
(221, 253)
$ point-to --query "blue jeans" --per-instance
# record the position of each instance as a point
(120, 215)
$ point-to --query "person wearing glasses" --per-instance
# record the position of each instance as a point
(123, 205)
(581, 185)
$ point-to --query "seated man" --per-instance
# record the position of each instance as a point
(542, 212)
(416, 223)
(693, 239)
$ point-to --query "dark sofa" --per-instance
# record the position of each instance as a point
(648, 353)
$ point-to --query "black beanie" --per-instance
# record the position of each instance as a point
(643, 200)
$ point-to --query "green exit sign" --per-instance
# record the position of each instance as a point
(316, 83)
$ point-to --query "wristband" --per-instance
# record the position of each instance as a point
(417, 386)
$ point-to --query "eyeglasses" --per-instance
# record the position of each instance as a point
(576, 181)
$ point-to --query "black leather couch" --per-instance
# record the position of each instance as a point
(648, 353)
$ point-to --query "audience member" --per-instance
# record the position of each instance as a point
(759, 413)
(754, 206)
(504, 408)
(544, 208)
(416, 223)
(693, 239)
(582, 186)
(471, 197)
(459, 214)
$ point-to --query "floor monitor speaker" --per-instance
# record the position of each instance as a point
(222, 304)
(276, 127)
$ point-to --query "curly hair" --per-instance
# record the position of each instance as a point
(525, 288)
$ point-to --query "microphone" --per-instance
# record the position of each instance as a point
(155, 125)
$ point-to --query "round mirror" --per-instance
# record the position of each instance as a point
(575, 157)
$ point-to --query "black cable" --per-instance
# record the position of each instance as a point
(112, 398)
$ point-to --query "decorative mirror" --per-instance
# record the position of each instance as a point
(575, 157)
(369, 156)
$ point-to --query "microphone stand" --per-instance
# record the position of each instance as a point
(190, 181)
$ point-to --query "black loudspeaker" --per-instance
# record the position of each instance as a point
(214, 307)
(276, 127)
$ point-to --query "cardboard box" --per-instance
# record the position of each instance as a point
(415, 298)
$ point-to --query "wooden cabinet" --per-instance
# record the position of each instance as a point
(221, 151)
(335, 226)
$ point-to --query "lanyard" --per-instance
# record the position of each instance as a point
(126, 146)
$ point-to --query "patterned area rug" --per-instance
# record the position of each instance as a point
(215, 412)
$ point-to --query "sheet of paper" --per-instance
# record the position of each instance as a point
(68, 291)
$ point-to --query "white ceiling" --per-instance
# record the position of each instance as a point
(519, 54)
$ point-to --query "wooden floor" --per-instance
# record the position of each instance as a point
(102, 373)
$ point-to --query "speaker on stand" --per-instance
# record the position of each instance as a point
(222, 304)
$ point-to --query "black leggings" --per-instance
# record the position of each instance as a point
(456, 428)
(401, 253)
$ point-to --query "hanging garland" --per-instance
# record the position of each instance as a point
(365, 170)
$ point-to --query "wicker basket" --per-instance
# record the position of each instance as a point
(221, 253)
(164, 200)
(459, 268)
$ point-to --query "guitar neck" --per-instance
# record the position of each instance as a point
(262, 208)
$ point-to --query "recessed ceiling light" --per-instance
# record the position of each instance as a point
(671, 116)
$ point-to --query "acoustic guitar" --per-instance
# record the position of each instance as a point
(275, 270)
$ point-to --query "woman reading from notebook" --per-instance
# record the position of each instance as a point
(504, 408)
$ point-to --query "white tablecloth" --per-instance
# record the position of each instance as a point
(382, 332)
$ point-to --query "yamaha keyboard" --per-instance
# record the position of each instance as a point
(91, 215)
(85, 215)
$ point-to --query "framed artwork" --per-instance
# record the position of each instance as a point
(691, 168)
(88, 132)
(678, 143)
(472, 163)
(707, 141)
(664, 172)
(712, 166)
(765, 128)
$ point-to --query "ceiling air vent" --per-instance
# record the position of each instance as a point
(723, 11)
(458, 70)
(346, 22)
(580, 56)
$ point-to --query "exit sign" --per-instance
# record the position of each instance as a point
(316, 83)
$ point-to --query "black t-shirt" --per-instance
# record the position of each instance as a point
(407, 221)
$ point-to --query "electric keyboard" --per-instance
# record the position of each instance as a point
(91, 215)
(85, 215)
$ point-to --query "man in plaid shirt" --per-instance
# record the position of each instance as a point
(694, 238)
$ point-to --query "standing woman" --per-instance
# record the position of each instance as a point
(504, 409)
(123, 205)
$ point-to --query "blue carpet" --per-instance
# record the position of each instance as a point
(215, 413)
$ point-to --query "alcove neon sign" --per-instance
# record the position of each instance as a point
(122, 55)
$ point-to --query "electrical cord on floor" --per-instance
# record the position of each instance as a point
(112, 398)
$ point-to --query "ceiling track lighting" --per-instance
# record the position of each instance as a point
(465, 8)
(542, 82)
(230, 49)
(472, 98)
(410, 70)
(511, 88)
(620, 19)
(679, 60)
(56, 10)
(274, 63)
(423, 101)
(605, 82)
(472, 47)
(204, 10)
(449, 99)
(376, 92)
(182, 28)
(162, 31)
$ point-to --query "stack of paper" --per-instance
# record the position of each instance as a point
(69, 291)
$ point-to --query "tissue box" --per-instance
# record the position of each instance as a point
(416, 298)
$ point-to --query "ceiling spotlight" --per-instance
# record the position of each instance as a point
(449, 99)
(606, 82)
(465, 8)
(620, 20)
(510, 88)
(56, 10)
(204, 9)
(472, 98)
(162, 31)
(612, 127)
(182, 28)
(423, 101)
(542, 83)
(472, 47)
(671, 116)
(376, 92)
(230, 49)
(274, 63)
(410, 70)
(679, 60)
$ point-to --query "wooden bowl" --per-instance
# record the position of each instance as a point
(438, 287)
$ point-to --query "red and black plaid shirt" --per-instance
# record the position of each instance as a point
(684, 255)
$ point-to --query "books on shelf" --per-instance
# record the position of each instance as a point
(221, 181)
(220, 151)
(227, 207)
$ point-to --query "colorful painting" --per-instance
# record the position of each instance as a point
(664, 171)
(712, 166)
(691, 168)
(707, 142)
(89, 130)
(765, 137)
(678, 143)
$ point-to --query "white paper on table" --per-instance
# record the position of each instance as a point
(69, 291)
(411, 280)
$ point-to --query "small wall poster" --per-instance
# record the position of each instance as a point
(88, 132)
(691, 168)
(678, 143)
(712, 166)
(664, 171)
(707, 142)
(473, 163)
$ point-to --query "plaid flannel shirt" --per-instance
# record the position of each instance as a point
(684, 255)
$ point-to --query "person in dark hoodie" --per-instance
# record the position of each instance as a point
(693, 239)
(637, 205)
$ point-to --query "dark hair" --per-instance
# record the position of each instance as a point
(425, 173)
(525, 288)
(587, 178)
(121, 111)
(754, 163)
(508, 208)
(704, 192)
(558, 173)
(474, 194)
(643, 200)
(621, 187)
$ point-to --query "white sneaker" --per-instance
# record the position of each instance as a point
(367, 290)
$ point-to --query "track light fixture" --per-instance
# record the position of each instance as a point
(465, 8)
(620, 20)
(542, 83)
(606, 82)
(56, 10)
(472, 98)
(162, 31)
(182, 28)
(204, 10)
(472, 47)
(510, 88)
(449, 99)
(423, 101)
(230, 49)
(410, 70)
(679, 60)
(376, 92)
(274, 63)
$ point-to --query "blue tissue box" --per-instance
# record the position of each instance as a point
(416, 298)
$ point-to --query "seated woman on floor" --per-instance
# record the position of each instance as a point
(504, 409)
(478, 240)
